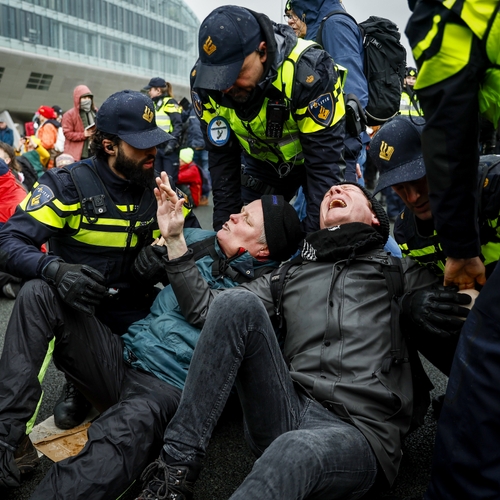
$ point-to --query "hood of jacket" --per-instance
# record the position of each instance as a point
(80, 91)
(313, 11)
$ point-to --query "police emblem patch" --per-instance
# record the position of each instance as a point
(322, 109)
(197, 104)
(39, 197)
(218, 131)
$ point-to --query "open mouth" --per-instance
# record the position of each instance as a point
(337, 204)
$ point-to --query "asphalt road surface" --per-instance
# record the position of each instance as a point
(229, 459)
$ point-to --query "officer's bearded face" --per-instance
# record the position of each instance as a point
(250, 75)
(136, 165)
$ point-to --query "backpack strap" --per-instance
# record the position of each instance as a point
(319, 34)
(393, 273)
(277, 283)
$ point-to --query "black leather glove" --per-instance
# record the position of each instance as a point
(148, 267)
(80, 286)
(171, 146)
(438, 309)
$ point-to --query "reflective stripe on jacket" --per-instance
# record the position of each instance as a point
(252, 134)
(481, 19)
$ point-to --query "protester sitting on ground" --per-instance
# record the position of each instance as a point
(138, 380)
(11, 194)
(22, 175)
(190, 176)
(31, 149)
(77, 123)
(328, 418)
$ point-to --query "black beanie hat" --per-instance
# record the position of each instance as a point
(281, 226)
(378, 210)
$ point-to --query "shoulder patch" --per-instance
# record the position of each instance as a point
(322, 109)
(39, 197)
(197, 104)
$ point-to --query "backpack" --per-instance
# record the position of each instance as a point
(384, 65)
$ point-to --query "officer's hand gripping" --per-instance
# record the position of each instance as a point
(80, 286)
(148, 267)
(438, 310)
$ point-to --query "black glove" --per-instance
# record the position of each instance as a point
(438, 309)
(148, 268)
(171, 146)
(80, 286)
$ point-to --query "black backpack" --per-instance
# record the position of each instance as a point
(384, 65)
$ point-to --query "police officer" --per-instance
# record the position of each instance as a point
(409, 100)
(272, 102)
(97, 216)
(456, 47)
(168, 118)
(396, 149)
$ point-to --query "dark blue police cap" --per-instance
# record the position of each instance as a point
(226, 37)
(396, 150)
(155, 82)
(131, 116)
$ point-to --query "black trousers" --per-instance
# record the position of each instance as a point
(135, 406)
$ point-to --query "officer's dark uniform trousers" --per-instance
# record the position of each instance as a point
(135, 406)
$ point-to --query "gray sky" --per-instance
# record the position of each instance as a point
(396, 10)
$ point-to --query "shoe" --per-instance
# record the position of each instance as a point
(203, 201)
(10, 290)
(71, 407)
(169, 482)
(26, 456)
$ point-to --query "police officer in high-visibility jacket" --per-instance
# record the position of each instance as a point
(168, 118)
(456, 45)
(409, 100)
(396, 150)
(272, 112)
(98, 216)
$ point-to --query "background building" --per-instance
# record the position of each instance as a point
(47, 47)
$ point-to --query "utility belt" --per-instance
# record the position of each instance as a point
(257, 185)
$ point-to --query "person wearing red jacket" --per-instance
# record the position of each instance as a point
(11, 194)
(189, 175)
(77, 123)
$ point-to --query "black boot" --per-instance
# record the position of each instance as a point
(172, 482)
(71, 407)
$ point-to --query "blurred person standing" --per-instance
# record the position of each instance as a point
(298, 25)
(59, 147)
(6, 133)
(409, 100)
(47, 132)
(168, 118)
(341, 37)
(78, 123)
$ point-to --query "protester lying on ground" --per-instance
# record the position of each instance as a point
(328, 417)
(134, 380)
